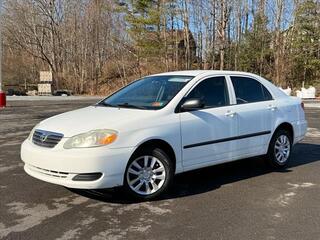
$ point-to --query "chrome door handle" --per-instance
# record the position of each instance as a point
(230, 113)
(272, 108)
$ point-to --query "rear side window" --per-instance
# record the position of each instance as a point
(248, 90)
(212, 91)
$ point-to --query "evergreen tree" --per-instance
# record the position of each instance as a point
(145, 25)
(305, 52)
(255, 52)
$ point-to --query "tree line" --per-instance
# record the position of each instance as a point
(97, 46)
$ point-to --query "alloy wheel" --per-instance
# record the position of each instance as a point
(282, 148)
(146, 175)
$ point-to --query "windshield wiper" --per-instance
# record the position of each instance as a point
(127, 105)
(124, 105)
(105, 104)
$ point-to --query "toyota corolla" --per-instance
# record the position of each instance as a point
(164, 124)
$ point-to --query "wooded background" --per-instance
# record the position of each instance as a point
(97, 46)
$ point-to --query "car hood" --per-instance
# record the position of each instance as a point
(91, 118)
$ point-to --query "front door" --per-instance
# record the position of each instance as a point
(206, 132)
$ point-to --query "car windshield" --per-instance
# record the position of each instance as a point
(152, 92)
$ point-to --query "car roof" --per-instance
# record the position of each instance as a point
(204, 73)
(195, 73)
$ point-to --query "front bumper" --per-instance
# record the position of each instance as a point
(59, 165)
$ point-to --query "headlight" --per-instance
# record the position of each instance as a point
(93, 138)
(32, 132)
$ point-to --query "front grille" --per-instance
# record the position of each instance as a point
(46, 139)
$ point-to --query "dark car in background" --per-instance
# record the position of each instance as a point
(14, 92)
(62, 92)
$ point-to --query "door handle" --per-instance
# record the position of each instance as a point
(230, 113)
(272, 108)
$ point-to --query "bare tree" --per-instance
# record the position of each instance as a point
(224, 17)
(92, 46)
(277, 41)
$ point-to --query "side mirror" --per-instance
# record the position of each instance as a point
(192, 104)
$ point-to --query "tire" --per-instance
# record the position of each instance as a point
(280, 148)
(148, 174)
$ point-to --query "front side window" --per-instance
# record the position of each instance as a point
(248, 90)
(148, 93)
(212, 91)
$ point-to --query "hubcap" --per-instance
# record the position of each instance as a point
(146, 175)
(282, 148)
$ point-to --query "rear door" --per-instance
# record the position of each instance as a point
(255, 114)
(206, 133)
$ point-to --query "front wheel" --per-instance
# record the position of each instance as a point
(148, 174)
(280, 147)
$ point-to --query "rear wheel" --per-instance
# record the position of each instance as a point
(280, 147)
(148, 173)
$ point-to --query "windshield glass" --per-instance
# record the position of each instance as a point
(148, 93)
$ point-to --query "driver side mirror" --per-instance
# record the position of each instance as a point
(192, 104)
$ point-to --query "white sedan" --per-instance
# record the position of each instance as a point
(164, 124)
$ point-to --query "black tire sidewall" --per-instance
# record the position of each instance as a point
(167, 163)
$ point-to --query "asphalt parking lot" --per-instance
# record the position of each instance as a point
(240, 200)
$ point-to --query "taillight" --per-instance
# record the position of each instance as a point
(302, 105)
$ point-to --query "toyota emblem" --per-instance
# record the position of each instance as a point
(43, 137)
